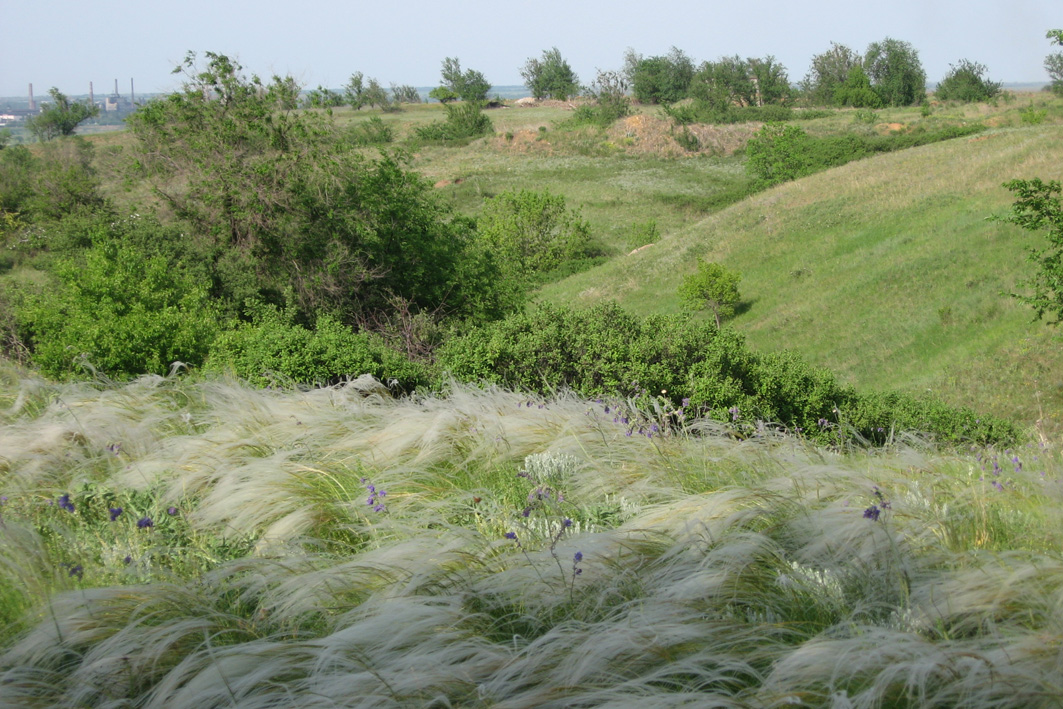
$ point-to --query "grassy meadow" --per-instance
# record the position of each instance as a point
(341, 547)
(193, 541)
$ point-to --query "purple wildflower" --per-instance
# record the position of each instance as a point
(76, 570)
(872, 513)
(511, 535)
(115, 512)
(128, 560)
(145, 523)
(566, 523)
(171, 511)
(65, 503)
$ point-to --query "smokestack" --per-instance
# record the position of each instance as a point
(132, 96)
(33, 104)
(92, 96)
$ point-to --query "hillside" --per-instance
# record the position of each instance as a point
(886, 270)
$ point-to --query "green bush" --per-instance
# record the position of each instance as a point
(778, 153)
(118, 310)
(370, 132)
(272, 350)
(463, 123)
(701, 111)
(532, 233)
(966, 82)
(604, 352)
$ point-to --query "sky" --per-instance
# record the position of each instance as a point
(67, 44)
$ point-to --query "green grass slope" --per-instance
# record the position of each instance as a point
(886, 270)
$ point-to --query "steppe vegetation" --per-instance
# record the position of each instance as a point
(731, 396)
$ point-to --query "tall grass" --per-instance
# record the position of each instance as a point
(341, 547)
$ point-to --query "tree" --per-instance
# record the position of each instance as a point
(532, 232)
(354, 91)
(611, 101)
(733, 81)
(713, 286)
(895, 71)
(287, 212)
(1038, 208)
(828, 72)
(323, 98)
(59, 117)
(550, 76)
(966, 82)
(469, 85)
(662, 79)
(1054, 63)
(404, 93)
(857, 91)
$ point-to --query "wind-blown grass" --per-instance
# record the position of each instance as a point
(339, 547)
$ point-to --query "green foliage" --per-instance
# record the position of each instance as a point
(701, 111)
(966, 82)
(117, 310)
(611, 102)
(443, 94)
(469, 85)
(323, 98)
(896, 73)
(662, 79)
(607, 352)
(462, 124)
(355, 91)
(733, 81)
(1054, 63)
(404, 93)
(272, 349)
(532, 232)
(1037, 208)
(713, 286)
(828, 72)
(551, 76)
(1031, 116)
(857, 91)
(58, 180)
(778, 152)
(290, 213)
(59, 117)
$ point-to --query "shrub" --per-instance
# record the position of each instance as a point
(532, 232)
(371, 132)
(551, 76)
(272, 349)
(118, 310)
(662, 79)
(779, 152)
(966, 82)
(463, 123)
(714, 287)
(666, 359)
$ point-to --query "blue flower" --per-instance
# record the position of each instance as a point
(511, 535)
(76, 570)
(65, 503)
(115, 512)
(144, 523)
(872, 513)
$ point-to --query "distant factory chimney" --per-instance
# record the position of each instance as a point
(33, 104)
(132, 96)
(92, 96)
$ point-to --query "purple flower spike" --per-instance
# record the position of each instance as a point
(872, 513)
(145, 523)
(511, 535)
(577, 557)
(115, 512)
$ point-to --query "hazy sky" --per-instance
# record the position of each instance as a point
(67, 44)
